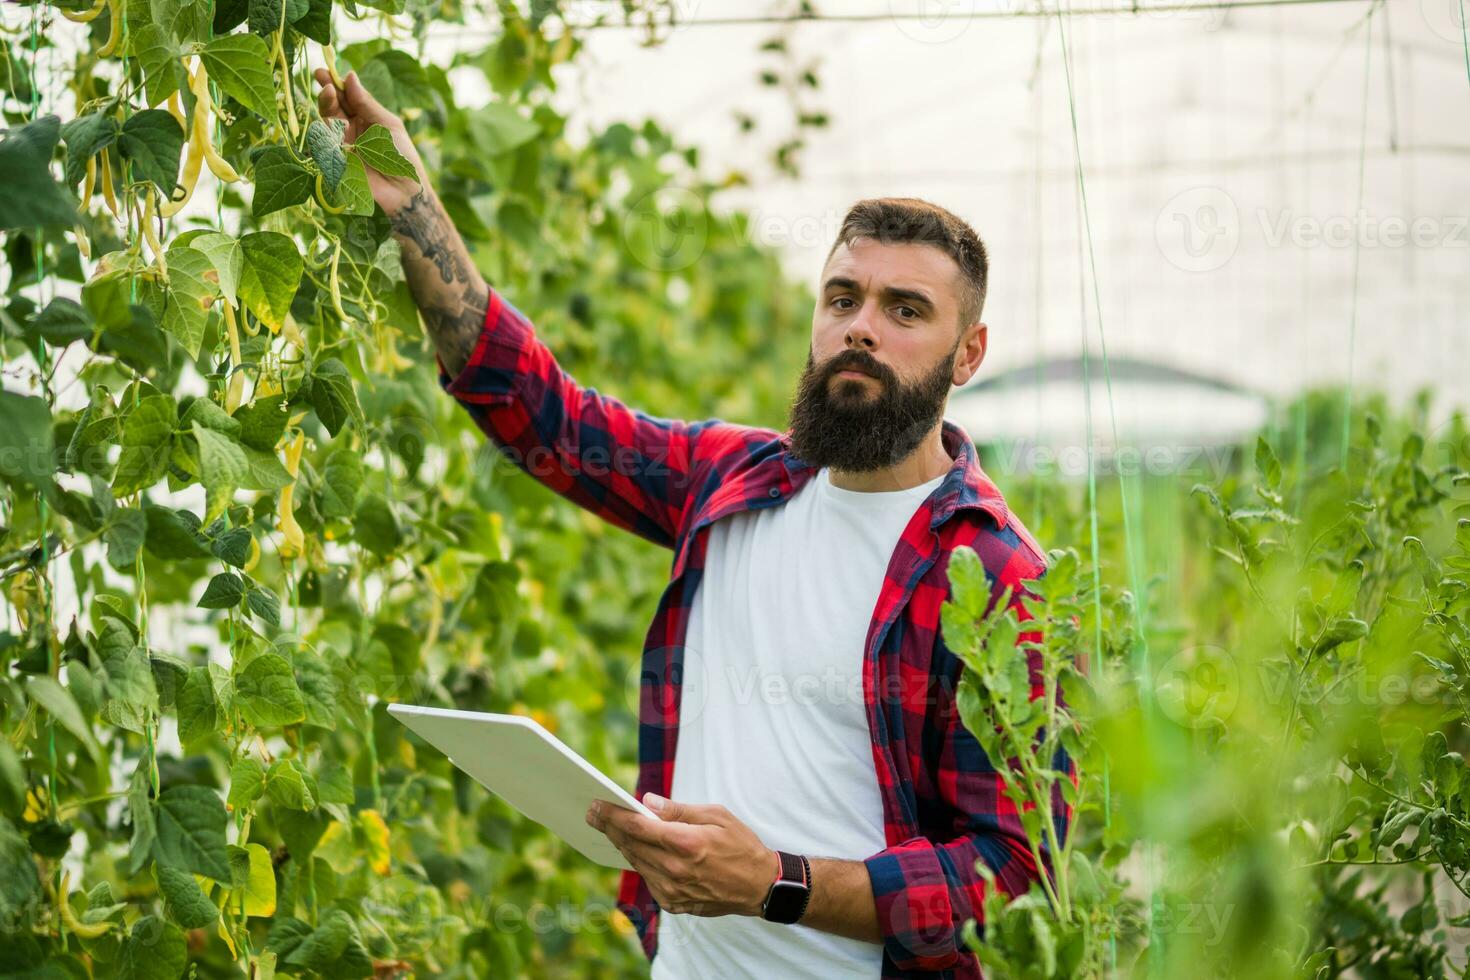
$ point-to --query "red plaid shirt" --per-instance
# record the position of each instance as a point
(667, 480)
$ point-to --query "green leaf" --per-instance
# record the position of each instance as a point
(224, 591)
(191, 293)
(267, 694)
(498, 128)
(196, 706)
(154, 950)
(124, 535)
(316, 23)
(174, 534)
(968, 583)
(375, 526)
(145, 822)
(1267, 464)
(332, 395)
(20, 884)
(29, 194)
(270, 276)
(397, 80)
(228, 259)
(25, 438)
(222, 469)
(233, 547)
(211, 416)
(341, 481)
(324, 142)
(320, 691)
(255, 880)
(355, 194)
(186, 902)
(157, 52)
(247, 782)
(262, 422)
(191, 831)
(377, 150)
(335, 783)
(289, 785)
(85, 137)
(62, 322)
(263, 471)
(264, 604)
(266, 16)
(280, 182)
(59, 704)
(154, 141)
(241, 65)
(147, 432)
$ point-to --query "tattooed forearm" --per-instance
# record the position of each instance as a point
(456, 327)
(449, 290)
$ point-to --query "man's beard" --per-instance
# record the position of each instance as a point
(848, 426)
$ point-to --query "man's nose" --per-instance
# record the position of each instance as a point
(860, 332)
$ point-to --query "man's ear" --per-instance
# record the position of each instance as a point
(970, 351)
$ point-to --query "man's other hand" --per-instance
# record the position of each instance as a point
(695, 858)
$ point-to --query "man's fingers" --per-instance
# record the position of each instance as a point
(360, 102)
(326, 103)
(632, 825)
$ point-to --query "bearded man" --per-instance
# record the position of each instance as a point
(821, 809)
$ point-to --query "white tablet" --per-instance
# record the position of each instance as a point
(527, 766)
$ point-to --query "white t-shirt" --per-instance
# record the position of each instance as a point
(772, 722)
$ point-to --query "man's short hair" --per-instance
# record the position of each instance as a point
(909, 220)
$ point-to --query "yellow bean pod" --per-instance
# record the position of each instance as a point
(69, 916)
(115, 34)
(236, 389)
(85, 16)
(330, 57)
(295, 539)
(203, 118)
(150, 235)
(191, 177)
(90, 182)
(336, 284)
(108, 194)
(321, 197)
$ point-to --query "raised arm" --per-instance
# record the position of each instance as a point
(632, 469)
(450, 292)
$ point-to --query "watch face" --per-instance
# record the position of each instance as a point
(785, 902)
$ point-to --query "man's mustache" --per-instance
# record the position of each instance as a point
(855, 360)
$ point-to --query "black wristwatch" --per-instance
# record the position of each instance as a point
(787, 897)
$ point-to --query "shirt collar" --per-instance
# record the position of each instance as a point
(964, 487)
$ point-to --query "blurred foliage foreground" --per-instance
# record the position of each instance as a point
(239, 518)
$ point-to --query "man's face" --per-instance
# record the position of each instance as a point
(886, 349)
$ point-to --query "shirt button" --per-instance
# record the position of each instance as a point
(773, 492)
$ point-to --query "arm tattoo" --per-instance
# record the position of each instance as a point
(450, 292)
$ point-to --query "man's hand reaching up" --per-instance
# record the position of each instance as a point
(450, 292)
(355, 104)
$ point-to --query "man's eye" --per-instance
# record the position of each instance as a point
(843, 299)
(910, 309)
